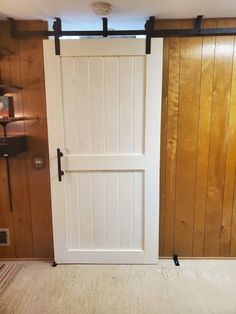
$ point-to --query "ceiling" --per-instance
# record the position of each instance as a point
(76, 14)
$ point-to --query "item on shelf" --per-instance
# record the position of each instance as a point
(6, 107)
(12, 145)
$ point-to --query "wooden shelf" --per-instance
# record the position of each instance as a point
(5, 121)
(4, 89)
(4, 51)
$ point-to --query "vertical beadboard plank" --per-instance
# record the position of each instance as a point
(112, 219)
(126, 104)
(99, 210)
(96, 83)
(69, 104)
(139, 94)
(86, 210)
(111, 100)
(72, 210)
(125, 210)
(83, 109)
(138, 210)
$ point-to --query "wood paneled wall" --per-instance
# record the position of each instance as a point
(198, 154)
(30, 223)
(198, 191)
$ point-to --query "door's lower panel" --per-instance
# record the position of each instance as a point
(105, 210)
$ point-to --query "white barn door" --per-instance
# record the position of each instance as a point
(104, 109)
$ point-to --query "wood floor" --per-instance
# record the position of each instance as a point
(195, 287)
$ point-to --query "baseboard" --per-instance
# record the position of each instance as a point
(27, 259)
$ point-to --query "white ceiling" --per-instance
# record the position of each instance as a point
(76, 14)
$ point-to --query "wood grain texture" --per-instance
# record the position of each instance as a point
(218, 140)
(171, 141)
(30, 223)
(206, 85)
(187, 143)
(198, 208)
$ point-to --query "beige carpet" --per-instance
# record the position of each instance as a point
(8, 273)
(195, 287)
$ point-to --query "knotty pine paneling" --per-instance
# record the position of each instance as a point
(30, 223)
(198, 208)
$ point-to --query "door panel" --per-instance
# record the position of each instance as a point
(105, 118)
(105, 115)
(105, 210)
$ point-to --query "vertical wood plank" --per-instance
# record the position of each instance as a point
(171, 142)
(7, 76)
(138, 103)
(229, 176)
(218, 138)
(112, 226)
(34, 105)
(96, 69)
(125, 210)
(73, 219)
(138, 210)
(126, 104)
(233, 226)
(69, 105)
(190, 68)
(111, 105)
(83, 110)
(86, 210)
(99, 210)
(206, 85)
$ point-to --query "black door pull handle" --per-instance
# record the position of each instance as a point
(60, 172)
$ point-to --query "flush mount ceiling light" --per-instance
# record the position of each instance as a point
(101, 8)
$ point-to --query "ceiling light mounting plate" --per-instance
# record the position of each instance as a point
(101, 8)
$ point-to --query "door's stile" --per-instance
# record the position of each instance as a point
(56, 140)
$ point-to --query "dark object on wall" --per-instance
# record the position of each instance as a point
(148, 31)
(6, 107)
(12, 145)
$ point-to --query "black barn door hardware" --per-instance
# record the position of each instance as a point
(11, 146)
(60, 172)
(176, 260)
(148, 31)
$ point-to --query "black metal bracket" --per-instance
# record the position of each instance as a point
(176, 260)
(148, 31)
(57, 34)
(13, 28)
(149, 27)
(105, 26)
(198, 24)
(54, 264)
